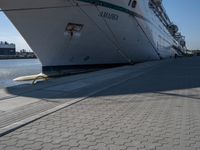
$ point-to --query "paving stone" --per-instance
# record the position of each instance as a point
(159, 110)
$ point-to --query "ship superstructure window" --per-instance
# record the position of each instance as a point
(134, 4)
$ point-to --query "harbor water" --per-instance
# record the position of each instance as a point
(13, 68)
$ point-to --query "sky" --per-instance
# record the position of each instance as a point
(10, 34)
(184, 13)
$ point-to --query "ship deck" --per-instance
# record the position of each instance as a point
(151, 106)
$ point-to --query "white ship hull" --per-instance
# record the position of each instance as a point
(110, 35)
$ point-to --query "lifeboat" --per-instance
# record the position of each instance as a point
(158, 2)
(173, 29)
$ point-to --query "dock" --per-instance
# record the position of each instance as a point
(147, 106)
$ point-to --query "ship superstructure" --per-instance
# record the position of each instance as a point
(158, 9)
(73, 35)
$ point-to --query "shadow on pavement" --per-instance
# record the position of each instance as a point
(183, 74)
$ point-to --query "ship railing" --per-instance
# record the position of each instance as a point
(160, 12)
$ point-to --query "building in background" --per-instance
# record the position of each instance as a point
(196, 52)
(7, 49)
(25, 54)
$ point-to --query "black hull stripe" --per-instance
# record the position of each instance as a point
(80, 67)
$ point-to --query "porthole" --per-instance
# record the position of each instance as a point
(134, 4)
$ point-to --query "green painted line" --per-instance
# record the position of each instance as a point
(124, 10)
(115, 7)
(127, 11)
(119, 8)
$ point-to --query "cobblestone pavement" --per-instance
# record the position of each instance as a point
(24, 101)
(156, 111)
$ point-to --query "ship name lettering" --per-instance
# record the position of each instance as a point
(108, 15)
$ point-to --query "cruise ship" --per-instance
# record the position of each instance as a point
(77, 35)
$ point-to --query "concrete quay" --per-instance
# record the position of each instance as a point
(148, 106)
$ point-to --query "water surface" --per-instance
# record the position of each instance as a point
(13, 68)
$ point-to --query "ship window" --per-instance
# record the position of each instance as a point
(129, 3)
(134, 3)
